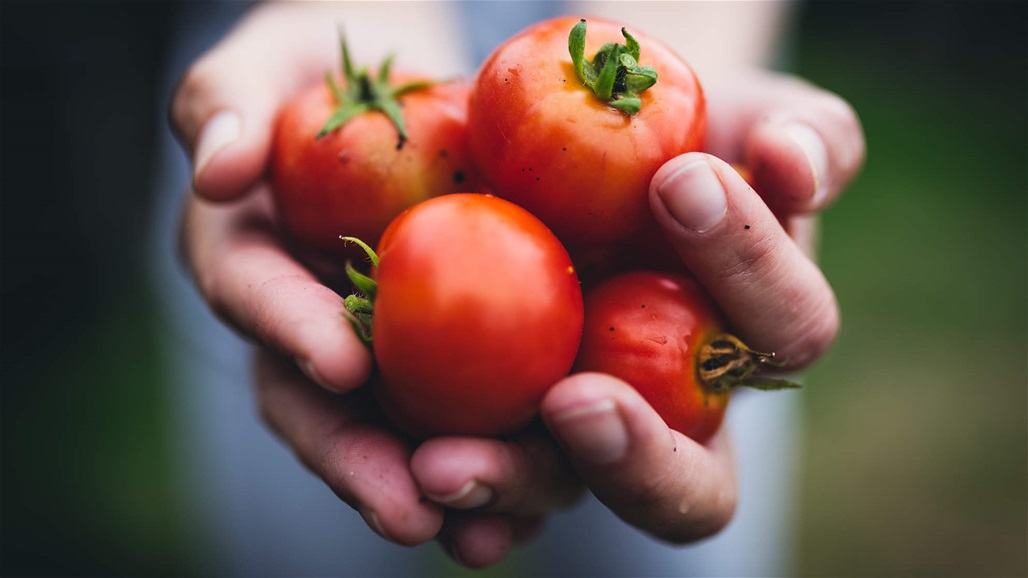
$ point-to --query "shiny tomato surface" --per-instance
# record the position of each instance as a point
(647, 328)
(478, 312)
(356, 179)
(543, 140)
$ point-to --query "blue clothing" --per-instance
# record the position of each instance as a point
(256, 511)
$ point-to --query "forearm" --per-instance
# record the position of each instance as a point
(711, 36)
(425, 36)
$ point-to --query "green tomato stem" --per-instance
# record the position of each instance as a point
(359, 308)
(613, 75)
(364, 93)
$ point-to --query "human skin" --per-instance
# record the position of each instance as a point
(806, 145)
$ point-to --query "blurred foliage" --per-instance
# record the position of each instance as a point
(917, 429)
(918, 436)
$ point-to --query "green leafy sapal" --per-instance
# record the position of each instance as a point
(363, 93)
(359, 308)
(613, 74)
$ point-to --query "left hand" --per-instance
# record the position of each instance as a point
(752, 252)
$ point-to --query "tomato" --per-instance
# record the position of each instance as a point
(477, 313)
(541, 138)
(396, 150)
(662, 334)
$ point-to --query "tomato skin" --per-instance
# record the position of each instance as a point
(354, 180)
(646, 328)
(542, 140)
(478, 312)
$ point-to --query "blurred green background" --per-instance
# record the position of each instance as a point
(916, 457)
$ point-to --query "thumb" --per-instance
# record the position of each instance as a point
(224, 106)
(652, 477)
(771, 292)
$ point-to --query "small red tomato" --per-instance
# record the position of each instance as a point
(347, 158)
(576, 141)
(663, 335)
(477, 313)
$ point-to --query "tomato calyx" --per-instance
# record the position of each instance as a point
(359, 307)
(726, 362)
(364, 93)
(613, 74)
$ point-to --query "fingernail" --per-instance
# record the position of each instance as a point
(221, 130)
(307, 366)
(471, 495)
(371, 519)
(695, 196)
(813, 147)
(595, 432)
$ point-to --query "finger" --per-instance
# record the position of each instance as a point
(479, 540)
(773, 295)
(523, 476)
(802, 144)
(652, 477)
(337, 438)
(223, 110)
(476, 540)
(250, 281)
(224, 106)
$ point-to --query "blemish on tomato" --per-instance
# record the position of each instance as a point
(458, 177)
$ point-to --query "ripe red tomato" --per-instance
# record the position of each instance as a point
(478, 311)
(355, 179)
(662, 334)
(542, 139)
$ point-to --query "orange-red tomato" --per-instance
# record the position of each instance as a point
(542, 139)
(356, 179)
(478, 313)
(648, 329)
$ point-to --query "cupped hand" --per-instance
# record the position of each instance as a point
(223, 114)
(803, 145)
(481, 496)
(224, 107)
(752, 247)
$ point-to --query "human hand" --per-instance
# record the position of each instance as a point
(223, 113)
(262, 301)
(804, 146)
(752, 247)
(224, 107)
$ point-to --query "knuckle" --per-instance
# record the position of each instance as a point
(196, 84)
(838, 112)
(686, 529)
(267, 397)
(265, 403)
(266, 305)
(646, 494)
(210, 284)
(814, 333)
(751, 261)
